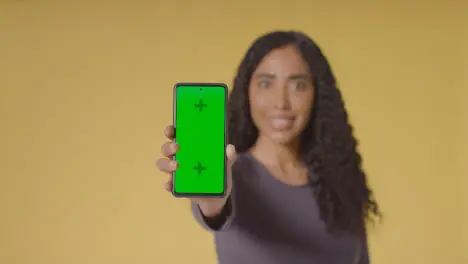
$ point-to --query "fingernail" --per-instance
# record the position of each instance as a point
(175, 147)
(174, 164)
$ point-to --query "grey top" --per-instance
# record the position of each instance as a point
(269, 222)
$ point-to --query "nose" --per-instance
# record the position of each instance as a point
(282, 99)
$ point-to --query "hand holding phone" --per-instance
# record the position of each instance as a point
(198, 157)
(209, 206)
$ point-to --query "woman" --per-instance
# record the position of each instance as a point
(297, 193)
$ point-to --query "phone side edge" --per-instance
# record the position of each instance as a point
(174, 121)
(226, 138)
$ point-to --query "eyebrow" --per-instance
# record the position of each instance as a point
(298, 76)
(291, 77)
(265, 75)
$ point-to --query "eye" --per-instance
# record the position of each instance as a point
(264, 84)
(300, 85)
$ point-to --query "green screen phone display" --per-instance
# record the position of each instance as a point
(200, 132)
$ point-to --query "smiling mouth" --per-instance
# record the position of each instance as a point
(282, 123)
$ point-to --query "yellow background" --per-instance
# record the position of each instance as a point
(85, 92)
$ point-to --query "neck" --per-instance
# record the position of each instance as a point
(277, 155)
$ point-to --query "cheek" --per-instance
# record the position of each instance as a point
(258, 106)
(304, 105)
(258, 100)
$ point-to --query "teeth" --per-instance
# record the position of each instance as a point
(281, 123)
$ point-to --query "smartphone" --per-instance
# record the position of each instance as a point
(200, 118)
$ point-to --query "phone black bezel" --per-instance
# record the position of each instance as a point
(197, 85)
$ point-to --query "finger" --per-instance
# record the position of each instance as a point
(169, 149)
(231, 154)
(168, 186)
(169, 132)
(167, 165)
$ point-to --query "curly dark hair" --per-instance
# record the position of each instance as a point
(328, 146)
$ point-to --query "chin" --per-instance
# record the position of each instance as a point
(283, 138)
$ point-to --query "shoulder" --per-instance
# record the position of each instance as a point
(244, 166)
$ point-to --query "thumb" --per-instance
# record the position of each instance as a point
(231, 154)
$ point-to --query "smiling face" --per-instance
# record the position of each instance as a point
(281, 94)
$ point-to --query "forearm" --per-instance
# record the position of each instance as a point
(214, 218)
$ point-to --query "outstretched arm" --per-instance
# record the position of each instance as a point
(218, 222)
